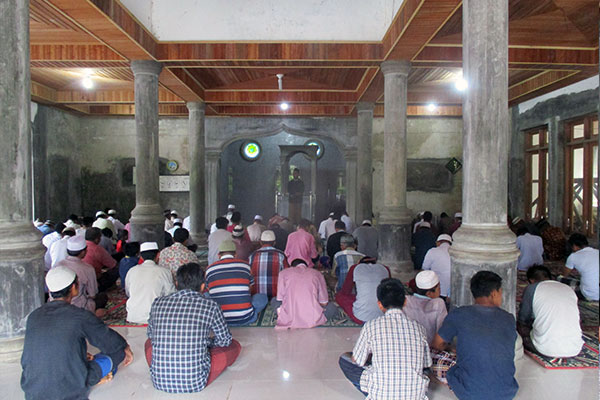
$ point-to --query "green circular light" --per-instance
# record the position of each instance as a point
(250, 151)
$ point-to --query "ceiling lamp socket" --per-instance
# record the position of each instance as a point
(280, 81)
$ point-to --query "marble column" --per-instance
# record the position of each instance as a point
(395, 218)
(364, 127)
(147, 221)
(197, 163)
(211, 194)
(484, 242)
(351, 182)
(21, 251)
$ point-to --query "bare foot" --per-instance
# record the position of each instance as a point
(101, 312)
(105, 379)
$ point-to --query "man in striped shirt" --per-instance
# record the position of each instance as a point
(345, 258)
(266, 263)
(228, 281)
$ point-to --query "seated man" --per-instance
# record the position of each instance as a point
(256, 229)
(368, 239)
(266, 263)
(216, 238)
(358, 295)
(549, 317)
(423, 240)
(302, 298)
(301, 244)
(333, 241)
(87, 294)
(437, 260)
(189, 343)
(55, 361)
(131, 259)
(146, 282)
(177, 254)
(229, 281)
(531, 248)
(425, 306)
(98, 257)
(485, 349)
(397, 347)
(345, 258)
(585, 260)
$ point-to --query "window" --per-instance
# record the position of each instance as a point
(250, 150)
(581, 159)
(536, 159)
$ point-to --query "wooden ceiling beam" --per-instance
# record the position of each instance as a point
(421, 110)
(181, 84)
(109, 97)
(72, 52)
(548, 82)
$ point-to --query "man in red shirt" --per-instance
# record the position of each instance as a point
(99, 258)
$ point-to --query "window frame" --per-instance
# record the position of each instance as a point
(541, 149)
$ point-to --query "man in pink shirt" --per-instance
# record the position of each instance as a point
(302, 293)
(99, 258)
(301, 244)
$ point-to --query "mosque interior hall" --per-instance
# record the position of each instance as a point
(483, 112)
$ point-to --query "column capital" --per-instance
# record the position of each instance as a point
(350, 154)
(213, 154)
(196, 106)
(146, 67)
(401, 67)
(365, 106)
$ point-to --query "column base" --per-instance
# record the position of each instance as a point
(199, 238)
(394, 249)
(147, 224)
(22, 272)
(489, 247)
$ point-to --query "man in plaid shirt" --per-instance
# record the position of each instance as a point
(346, 258)
(182, 354)
(266, 263)
(397, 347)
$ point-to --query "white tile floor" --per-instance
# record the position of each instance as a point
(299, 364)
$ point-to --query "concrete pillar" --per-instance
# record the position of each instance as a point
(211, 194)
(21, 251)
(147, 221)
(516, 172)
(394, 225)
(484, 242)
(351, 183)
(313, 189)
(364, 159)
(197, 163)
(556, 171)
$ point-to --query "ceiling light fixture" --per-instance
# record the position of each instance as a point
(284, 106)
(431, 107)
(280, 81)
(461, 85)
(87, 82)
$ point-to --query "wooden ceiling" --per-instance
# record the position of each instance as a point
(552, 43)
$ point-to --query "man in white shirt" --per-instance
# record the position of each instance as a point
(216, 238)
(112, 217)
(58, 250)
(327, 226)
(531, 247)
(256, 229)
(348, 222)
(548, 317)
(437, 260)
(585, 260)
(102, 222)
(146, 282)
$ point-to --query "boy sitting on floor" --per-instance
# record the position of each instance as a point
(485, 349)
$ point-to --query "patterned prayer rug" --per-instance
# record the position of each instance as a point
(587, 359)
(116, 310)
(268, 319)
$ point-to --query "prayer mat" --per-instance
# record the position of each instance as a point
(587, 359)
(268, 319)
(588, 314)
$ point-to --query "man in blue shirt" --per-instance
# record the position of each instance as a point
(485, 347)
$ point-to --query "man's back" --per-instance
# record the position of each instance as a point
(586, 262)
(366, 278)
(214, 240)
(423, 240)
(343, 261)
(228, 281)
(532, 249)
(333, 244)
(146, 282)
(54, 354)
(367, 238)
(86, 278)
(301, 290)
(175, 256)
(437, 259)
(266, 263)
(98, 257)
(179, 327)
(428, 312)
(485, 352)
(399, 354)
(301, 244)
